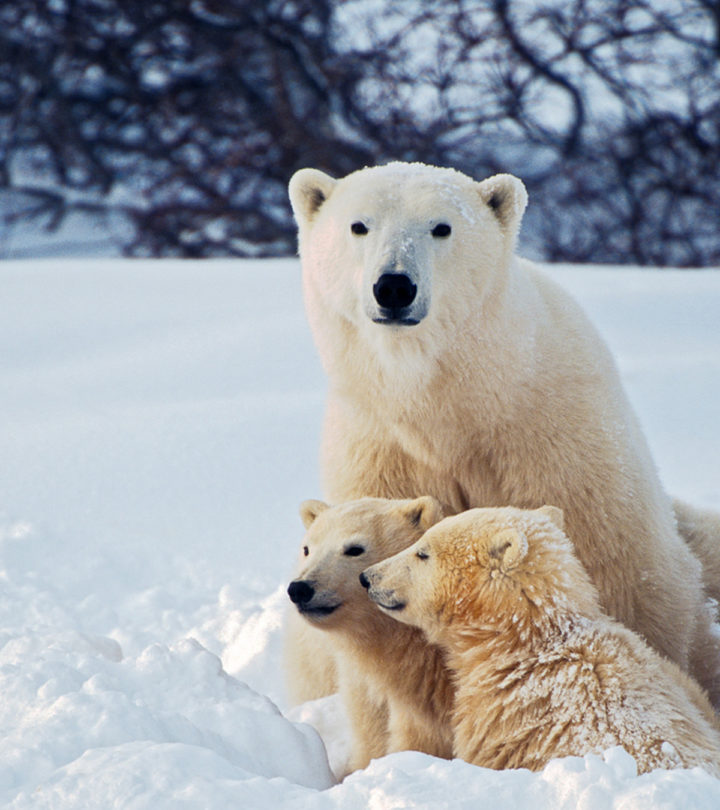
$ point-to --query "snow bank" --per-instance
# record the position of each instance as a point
(160, 427)
(83, 725)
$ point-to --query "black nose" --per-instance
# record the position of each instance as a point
(394, 291)
(300, 591)
(364, 581)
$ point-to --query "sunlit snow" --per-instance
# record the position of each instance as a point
(160, 426)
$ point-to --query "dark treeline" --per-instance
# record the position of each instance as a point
(185, 118)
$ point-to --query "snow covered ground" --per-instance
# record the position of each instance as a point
(160, 423)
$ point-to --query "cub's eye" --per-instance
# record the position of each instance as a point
(359, 228)
(306, 550)
(441, 230)
(354, 551)
(422, 555)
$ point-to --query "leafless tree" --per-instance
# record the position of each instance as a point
(183, 117)
(186, 117)
(608, 109)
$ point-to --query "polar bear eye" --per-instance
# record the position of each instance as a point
(441, 230)
(422, 555)
(354, 551)
(306, 550)
(359, 228)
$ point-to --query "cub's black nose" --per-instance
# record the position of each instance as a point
(364, 580)
(394, 291)
(300, 591)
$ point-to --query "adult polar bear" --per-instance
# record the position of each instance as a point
(458, 370)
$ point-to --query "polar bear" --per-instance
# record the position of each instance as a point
(457, 369)
(540, 670)
(394, 685)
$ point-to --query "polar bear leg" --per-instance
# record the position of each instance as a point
(308, 660)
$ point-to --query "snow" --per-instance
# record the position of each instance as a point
(160, 427)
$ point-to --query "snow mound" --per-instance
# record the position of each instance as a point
(81, 720)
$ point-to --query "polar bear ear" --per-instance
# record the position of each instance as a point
(423, 512)
(506, 196)
(309, 510)
(554, 513)
(507, 548)
(308, 190)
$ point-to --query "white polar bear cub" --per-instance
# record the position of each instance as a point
(458, 370)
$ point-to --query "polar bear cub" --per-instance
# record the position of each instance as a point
(541, 671)
(394, 685)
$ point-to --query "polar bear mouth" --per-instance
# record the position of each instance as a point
(393, 321)
(318, 610)
(394, 606)
(385, 600)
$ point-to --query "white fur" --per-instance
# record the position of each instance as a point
(540, 671)
(503, 394)
(394, 686)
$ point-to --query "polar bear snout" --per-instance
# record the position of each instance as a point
(311, 603)
(300, 592)
(394, 291)
(396, 300)
(385, 598)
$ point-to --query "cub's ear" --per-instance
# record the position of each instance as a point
(507, 548)
(507, 198)
(308, 190)
(423, 512)
(554, 513)
(309, 510)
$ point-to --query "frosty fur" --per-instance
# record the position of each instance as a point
(503, 393)
(700, 528)
(540, 670)
(394, 685)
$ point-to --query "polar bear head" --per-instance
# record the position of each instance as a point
(340, 542)
(485, 570)
(383, 246)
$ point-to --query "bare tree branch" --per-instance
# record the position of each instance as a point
(186, 119)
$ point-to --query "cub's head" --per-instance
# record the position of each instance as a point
(383, 246)
(340, 542)
(485, 569)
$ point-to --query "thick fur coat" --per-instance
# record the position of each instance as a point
(394, 685)
(475, 379)
(540, 670)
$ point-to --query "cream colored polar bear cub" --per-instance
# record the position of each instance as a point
(458, 370)
(540, 670)
(394, 685)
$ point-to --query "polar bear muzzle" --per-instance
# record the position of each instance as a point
(394, 293)
(397, 301)
(304, 596)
